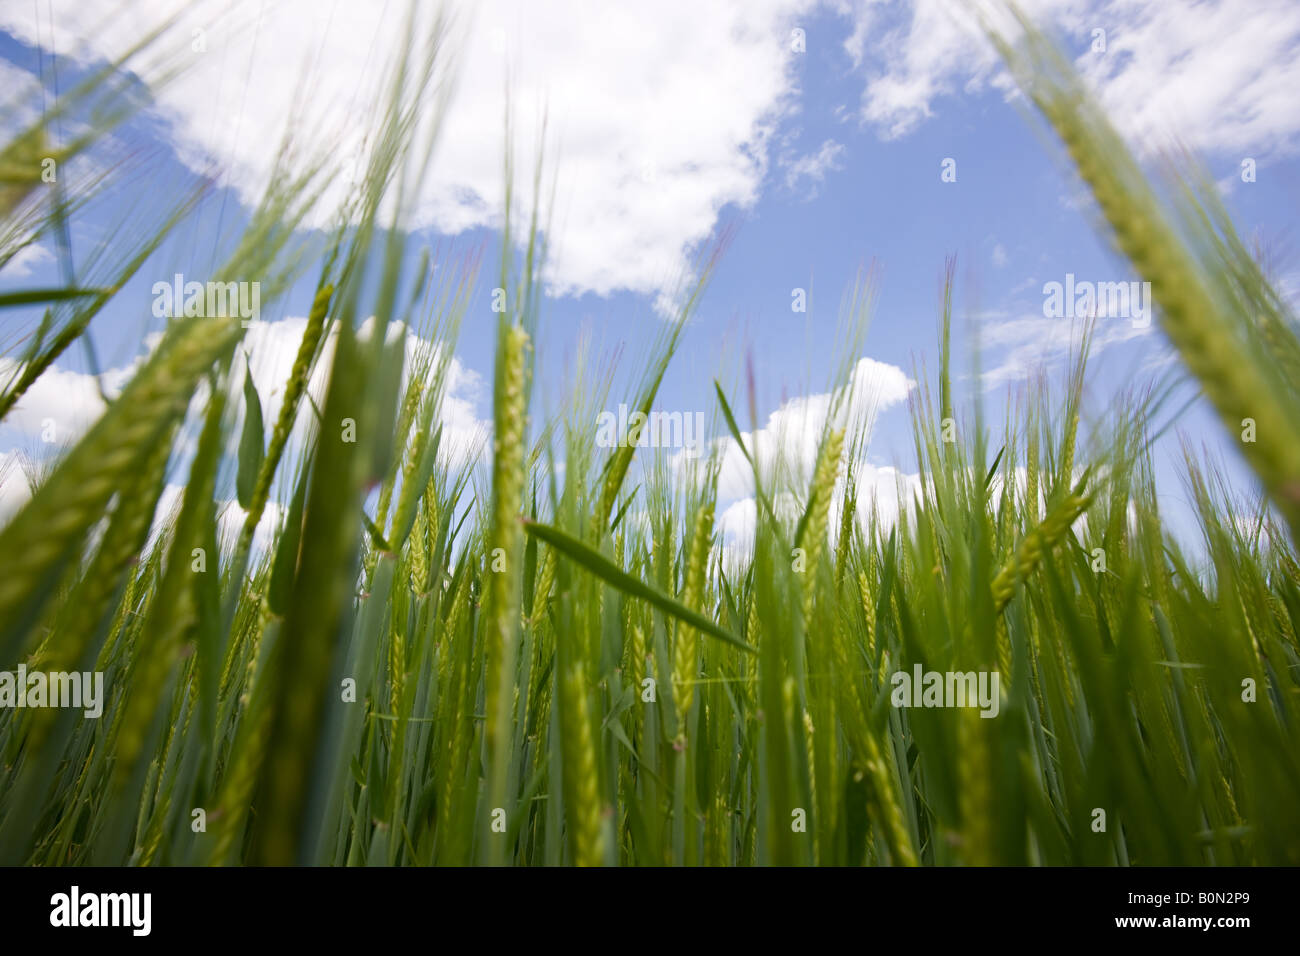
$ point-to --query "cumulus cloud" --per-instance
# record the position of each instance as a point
(271, 347)
(786, 450)
(62, 404)
(658, 115)
(26, 260)
(882, 492)
(1217, 75)
(790, 437)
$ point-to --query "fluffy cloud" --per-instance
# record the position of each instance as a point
(61, 404)
(1217, 75)
(658, 115)
(26, 260)
(786, 449)
(272, 346)
(882, 491)
(788, 441)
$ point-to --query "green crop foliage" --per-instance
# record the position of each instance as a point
(461, 659)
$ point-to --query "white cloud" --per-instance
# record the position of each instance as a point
(1221, 76)
(19, 105)
(786, 447)
(999, 256)
(15, 488)
(66, 403)
(26, 260)
(1217, 75)
(789, 439)
(61, 404)
(272, 346)
(230, 522)
(922, 61)
(660, 114)
(1031, 342)
(860, 13)
(882, 491)
(736, 526)
(813, 167)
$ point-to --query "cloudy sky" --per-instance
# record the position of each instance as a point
(817, 133)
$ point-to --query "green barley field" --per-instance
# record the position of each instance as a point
(539, 653)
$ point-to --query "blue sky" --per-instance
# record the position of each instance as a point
(671, 122)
